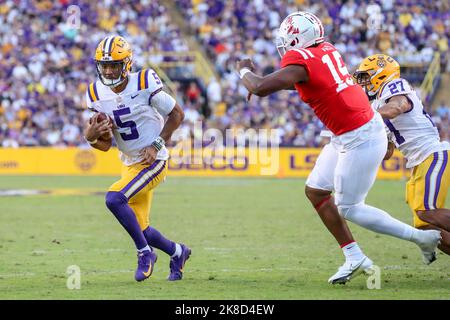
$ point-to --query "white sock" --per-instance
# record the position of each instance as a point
(352, 252)
(146, 248)
(379, 221)
(177, 252)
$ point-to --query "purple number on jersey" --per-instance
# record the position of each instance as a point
(134, 134)
(158, 81)
(398, 137)
(393, 87)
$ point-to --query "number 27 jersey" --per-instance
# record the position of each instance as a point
(138, 122)
(413, 132)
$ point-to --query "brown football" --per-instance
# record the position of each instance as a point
(101, 117)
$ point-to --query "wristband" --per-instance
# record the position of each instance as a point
(159, 143)
(91, 142)
(243, 71)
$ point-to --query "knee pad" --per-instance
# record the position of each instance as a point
(342, 210)
(345, 210)
(115, 199)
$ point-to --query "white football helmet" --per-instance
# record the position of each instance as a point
(299, 30)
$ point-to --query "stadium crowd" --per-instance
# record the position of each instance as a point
(405, 29)
(46, 61)
(46, 55)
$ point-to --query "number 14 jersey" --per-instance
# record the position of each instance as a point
(413, 132)
(137, 117)
(337, 101)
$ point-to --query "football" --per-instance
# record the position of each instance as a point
(101, 117)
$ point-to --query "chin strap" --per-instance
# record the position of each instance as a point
(121, 79)
(112, 85)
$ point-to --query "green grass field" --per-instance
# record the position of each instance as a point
(251, 239)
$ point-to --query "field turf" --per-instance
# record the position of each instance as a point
(251, 239)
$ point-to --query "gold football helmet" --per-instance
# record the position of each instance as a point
(374, 71)
(113, 58)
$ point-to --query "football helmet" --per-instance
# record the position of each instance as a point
(113, 59)
(374, 71)
(299, 30)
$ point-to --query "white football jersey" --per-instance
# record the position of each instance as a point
(137, 112)
(413, 132)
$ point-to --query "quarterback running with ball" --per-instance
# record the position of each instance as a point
(349, 164)
(136, 105)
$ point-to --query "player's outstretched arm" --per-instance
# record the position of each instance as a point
(283, 79)
(95, 133)
(395, 106)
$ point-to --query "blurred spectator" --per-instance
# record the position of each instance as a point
(443, 110)
(214, 93)
(193, 92)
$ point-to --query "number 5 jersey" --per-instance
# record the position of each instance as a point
(413, 132)
(137, 112)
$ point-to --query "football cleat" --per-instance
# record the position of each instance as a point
(146, 262)
(432, 239)
(350, 269)
(177, 264)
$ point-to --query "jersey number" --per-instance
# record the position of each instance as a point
(155, 76)
(398, 137)
(393, 87)
(134, 134)
(344, 79)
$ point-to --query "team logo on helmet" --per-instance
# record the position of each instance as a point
(375, 71)
(289, 35)
(380, 62)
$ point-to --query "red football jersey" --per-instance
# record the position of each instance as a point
(337, 101)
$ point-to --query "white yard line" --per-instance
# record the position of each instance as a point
(17, 275)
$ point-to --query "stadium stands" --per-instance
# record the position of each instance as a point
(45, 63)
(229, 30)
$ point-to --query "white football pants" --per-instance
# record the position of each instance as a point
(348, 166)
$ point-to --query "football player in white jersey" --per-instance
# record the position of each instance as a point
(413, 132)
(136, 105)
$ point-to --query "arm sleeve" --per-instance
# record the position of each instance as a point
(162, 102)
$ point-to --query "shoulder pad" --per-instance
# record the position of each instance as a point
(92, 92)
(148, 79)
